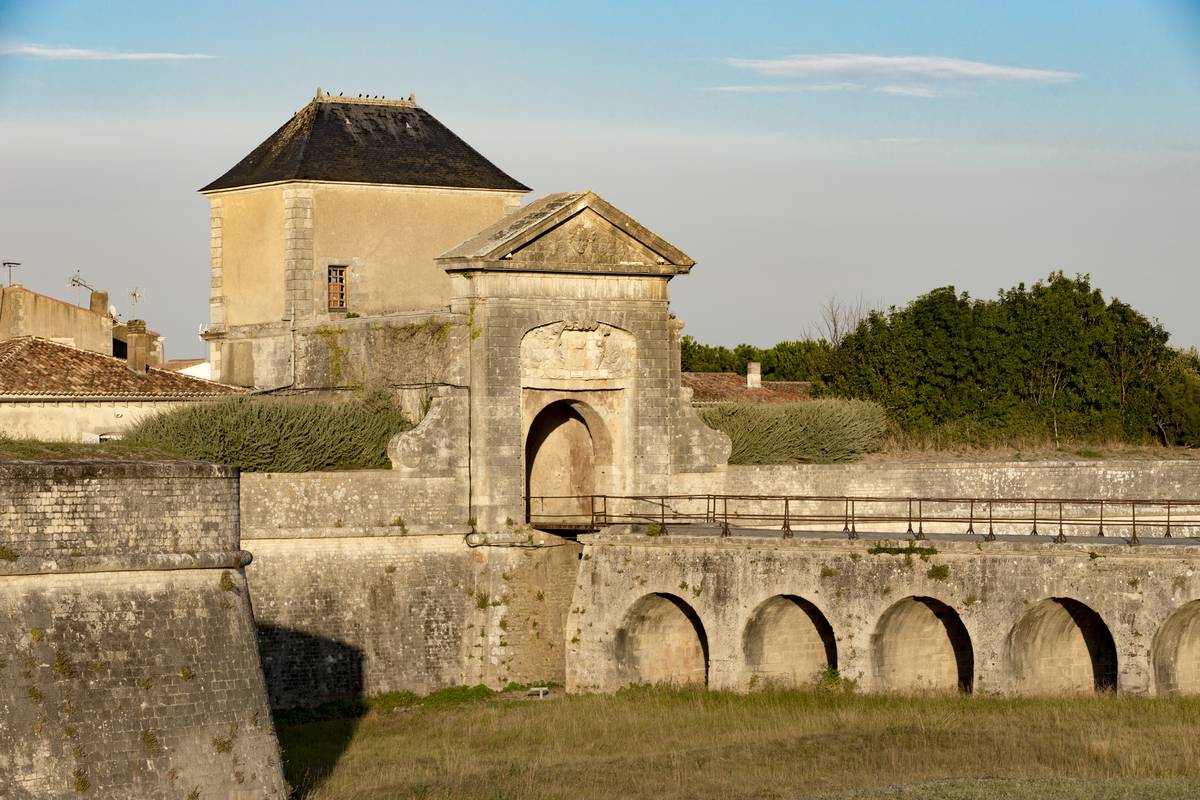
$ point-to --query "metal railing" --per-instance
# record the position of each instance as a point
(914, 516)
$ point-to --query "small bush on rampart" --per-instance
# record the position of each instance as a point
(261, 434)
(818, 432)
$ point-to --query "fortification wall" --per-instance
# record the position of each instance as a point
(364, 584)
(1002, 617)
(1069, 479)
(128, 664)
(345, 617)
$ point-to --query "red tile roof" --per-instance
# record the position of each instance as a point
(32, 367)
(729, 387)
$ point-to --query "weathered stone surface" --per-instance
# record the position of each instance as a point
(128, 665)
(1003, 617)
(351, 616)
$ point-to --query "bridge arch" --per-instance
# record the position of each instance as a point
(1177, 652)
(662, 641)
(920, 643)
(788, 642)
(1061, 646)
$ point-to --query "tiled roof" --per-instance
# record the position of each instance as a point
(366, 141)
(176, 364)
(33, 367)
(729, 387)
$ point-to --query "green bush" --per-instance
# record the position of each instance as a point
(819, 431)
(262, 434)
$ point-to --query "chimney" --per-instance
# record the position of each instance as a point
(99, 303)
(754, 375)
(137, 344)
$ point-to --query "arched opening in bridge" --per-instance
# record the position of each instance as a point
(662, 641)
(1060, 646)
(560, 467)
(788, 642)
(921, 644)
(1177, 652)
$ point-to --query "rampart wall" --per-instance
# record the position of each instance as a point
(128, 665)
(358, 591)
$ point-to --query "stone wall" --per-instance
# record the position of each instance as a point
(69, 420)
(1002, 617)
(344, 616)
(128, 664)
(371, 581)
(1071, 479)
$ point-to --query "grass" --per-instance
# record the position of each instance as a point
(31, 450)
(774, 744)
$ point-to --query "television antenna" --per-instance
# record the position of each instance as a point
(79, 282)
(134, 297)
(9, 266)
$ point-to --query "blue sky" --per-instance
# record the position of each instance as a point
(795, 150)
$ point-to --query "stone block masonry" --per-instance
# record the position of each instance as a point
(128, 665)
(347, 616)
(1002, 617)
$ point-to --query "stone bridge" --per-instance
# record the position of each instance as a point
(1010, 615)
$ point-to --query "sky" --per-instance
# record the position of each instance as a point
(798, 151)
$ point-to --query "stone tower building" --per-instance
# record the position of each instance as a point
(338, 215)
(364, 243)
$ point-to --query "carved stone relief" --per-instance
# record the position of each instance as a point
(578, 351)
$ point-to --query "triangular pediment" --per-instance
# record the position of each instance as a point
(587, 239)
(569, 232)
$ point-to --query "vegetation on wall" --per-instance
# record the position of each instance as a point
(1053, 360)
(262, 434)
(819, 432)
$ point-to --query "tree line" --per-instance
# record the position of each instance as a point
(1053, 360)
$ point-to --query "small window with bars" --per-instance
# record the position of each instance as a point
(337, 288)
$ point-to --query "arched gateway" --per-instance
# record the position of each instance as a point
(560, 466)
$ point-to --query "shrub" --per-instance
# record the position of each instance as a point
(262, 434)
(819, 431)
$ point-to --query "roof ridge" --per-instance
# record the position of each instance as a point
(20, 342)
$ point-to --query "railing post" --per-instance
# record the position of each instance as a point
(971, 524)
(1101, 517)
(1034, 532)
(853, 522)
(662, 510)
(1168, 519)
(991, 534)
(846, 515)
(725, 526)
(1061, 537)
(787, 524)
(593, 510)
(910, 530)
(1133, 538)
(605, 509)
(920, 519)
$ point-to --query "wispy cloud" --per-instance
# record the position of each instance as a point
(85, 54)
(774, 88)
(863, 65)
(912, 91)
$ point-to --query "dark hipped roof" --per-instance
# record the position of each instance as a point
(39, 368)
(360, 140)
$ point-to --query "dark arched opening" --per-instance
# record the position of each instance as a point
(920, 643)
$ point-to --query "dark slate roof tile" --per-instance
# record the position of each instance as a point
(366, 141)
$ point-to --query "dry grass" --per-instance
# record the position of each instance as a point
(689, 744)
(32, 450)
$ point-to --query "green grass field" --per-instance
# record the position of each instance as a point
(691, 744)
